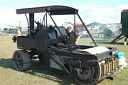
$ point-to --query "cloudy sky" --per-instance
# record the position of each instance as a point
(90, 10)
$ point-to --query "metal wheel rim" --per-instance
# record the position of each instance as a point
(89, 81)
(18, 61)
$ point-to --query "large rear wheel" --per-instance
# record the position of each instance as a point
(21, 60)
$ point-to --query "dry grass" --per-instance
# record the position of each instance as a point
(41, 75)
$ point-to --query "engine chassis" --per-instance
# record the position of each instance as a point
(55, 48)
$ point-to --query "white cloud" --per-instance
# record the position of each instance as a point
(121, 7)
(32, 5)
(89, 14)
(10, 16)
(101, 13)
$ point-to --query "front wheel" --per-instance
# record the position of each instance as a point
(21, 60)
(88, 76)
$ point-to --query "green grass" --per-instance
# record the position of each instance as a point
(41, 75)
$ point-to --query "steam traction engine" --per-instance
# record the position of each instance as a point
(54, 47)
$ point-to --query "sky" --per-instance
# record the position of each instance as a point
(103, 11)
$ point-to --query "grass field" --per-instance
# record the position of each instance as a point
(41, 75)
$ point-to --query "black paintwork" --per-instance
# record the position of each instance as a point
(55, 40)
